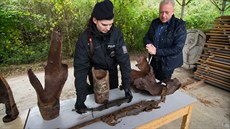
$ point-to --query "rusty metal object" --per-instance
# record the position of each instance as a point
(109, 104)
(156, 89)
(116, 102)
(113, 118)
(6, 97)
(145, 80)
(143, 66)
(101, 85)
(55, 76)
(164, 93)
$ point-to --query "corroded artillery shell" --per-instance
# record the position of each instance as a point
(50, 110)
(56, 74)
(7, 98)
(101, 85)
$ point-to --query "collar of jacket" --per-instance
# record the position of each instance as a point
(168, 22)
(98, 34)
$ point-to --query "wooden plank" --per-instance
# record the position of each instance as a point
(220, 28)
(212, 55)
(212, 37)
(221, 55)
(207, 54)
(219, 38)
(218, 42)
(197, 78)
(217, 45)
(227, 67)
(222, 22)
(224, 17)
(217, 84)
(212, 51)
(212, 82)
(218, 61)
(223, 60)
(200, 76)
(215, 72)
(226, 84)
(213, 75)
(217, 34)
(220, 31)
(213, 67)
(168, 118)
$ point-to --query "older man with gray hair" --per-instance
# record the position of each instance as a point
(164, 42)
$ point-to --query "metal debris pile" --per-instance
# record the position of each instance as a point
(113, 118)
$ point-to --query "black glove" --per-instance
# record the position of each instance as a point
(80, 107)
(128, 94)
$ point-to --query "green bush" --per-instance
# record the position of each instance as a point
(134, 22)
(19, 36)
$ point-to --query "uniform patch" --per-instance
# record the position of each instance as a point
(111, 46)
(124, 49)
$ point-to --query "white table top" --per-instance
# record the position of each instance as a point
(69, 118)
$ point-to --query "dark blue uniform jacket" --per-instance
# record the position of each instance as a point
(109, 50)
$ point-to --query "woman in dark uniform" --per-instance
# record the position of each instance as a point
(100, 46)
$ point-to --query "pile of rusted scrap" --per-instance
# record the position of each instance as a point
(214, 63)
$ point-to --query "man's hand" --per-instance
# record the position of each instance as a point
(128, 94)
(151, 49)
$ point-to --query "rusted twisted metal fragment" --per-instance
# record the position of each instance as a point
(144, 79)
(55, 76)
(6, 97)
(144, 68)
(156, 89)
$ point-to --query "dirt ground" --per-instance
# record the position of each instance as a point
(211, 111)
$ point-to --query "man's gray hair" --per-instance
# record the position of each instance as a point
(167, 2)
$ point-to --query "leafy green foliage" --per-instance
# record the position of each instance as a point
(18, 45)
(133, 21)
(200, 19)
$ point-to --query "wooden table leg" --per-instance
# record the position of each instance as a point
(186, 118)
(184, 112)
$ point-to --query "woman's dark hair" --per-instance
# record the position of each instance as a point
(88, 29)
